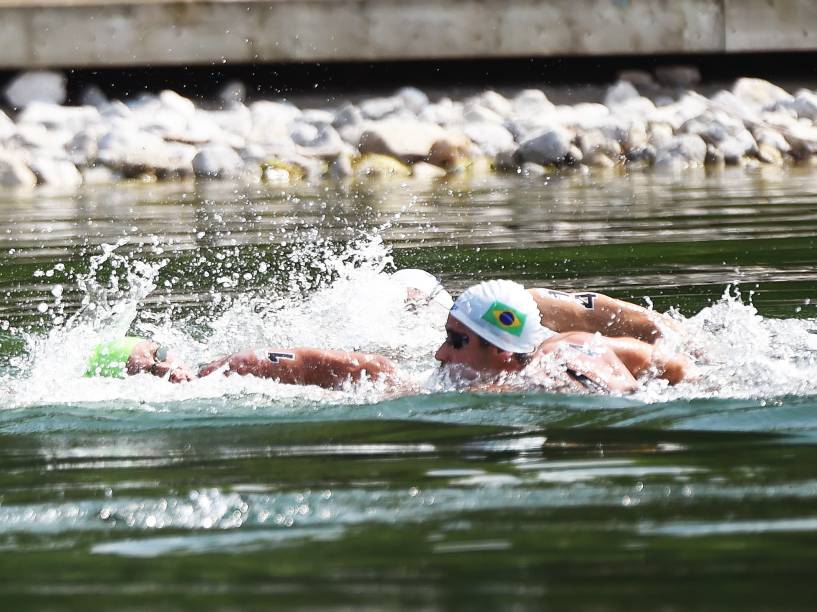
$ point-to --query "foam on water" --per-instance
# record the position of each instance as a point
(343, 297)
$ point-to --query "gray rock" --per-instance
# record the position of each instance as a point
(714, 156)
(317, 141)
(620, 93)
(805, 104)
(678, 76)
(489, 137)
(340, 168)
(36, 86)
(233, 92)
(216, 161)
(14, 173)
(506, 161)
(413, 99)
(57, 173)
(93, 96)
(639, 78)
(552, 146)
(757, 93)
(347, 115)
(684, 150)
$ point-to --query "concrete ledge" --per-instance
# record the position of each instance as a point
(59, 33)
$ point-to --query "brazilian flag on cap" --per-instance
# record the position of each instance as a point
(505, 317)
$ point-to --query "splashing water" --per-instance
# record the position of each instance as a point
(342, 297)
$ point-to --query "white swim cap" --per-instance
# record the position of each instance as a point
(426, 283)
(503, 313)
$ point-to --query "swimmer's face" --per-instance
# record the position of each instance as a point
(463, 347)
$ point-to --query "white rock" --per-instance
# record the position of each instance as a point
(683, 151)
(445, 113)
(36, 136)
(235, 120)
(14, 173)
(56, 117)
(757, 93)
(116, 110)
(585, 115)
(270, 120)
(771, 138)
(215, 161)
(493, 101)
(408, 141)
(173, 101)
(473, 112)
(619, 93)
(133, 152)
(426, 172)
(36, 86)
(413, 99)
(678, 113)
(595, 141)
(531, 170)
(531, 102)
(7, 128)
(99, 175)
(58, 173)
(552, 146)
(726, 101)
(379, 108)
(725, 132)
(489, 137)
(317, 116)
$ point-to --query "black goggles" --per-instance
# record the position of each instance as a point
(456, 339)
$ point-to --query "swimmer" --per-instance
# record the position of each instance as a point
(493, 331)
(132, 355)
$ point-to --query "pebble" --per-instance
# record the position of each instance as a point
(166, 135)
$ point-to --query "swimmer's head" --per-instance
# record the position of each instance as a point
(492, 328)
(422, 288)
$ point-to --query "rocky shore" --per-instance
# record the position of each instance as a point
(406, 135)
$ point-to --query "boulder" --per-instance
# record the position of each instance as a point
(347, 115)
(758, 94)
(376, 109)
(414, 100)
(409, 141)
(218, 162)
(489, 137)
(56, 117)
(426, 172)
(7, 128)
(14, 173)
(678, 76)
(684, 150)
(36, 86)
(233, 92)
(551, 146)
(317, 141)
(620, 93)
(58, 173)
(531, 103)
(375, 165)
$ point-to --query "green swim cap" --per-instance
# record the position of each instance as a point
(110, 358)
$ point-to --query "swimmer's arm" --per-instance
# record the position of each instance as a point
(643, 358)
(303, 366)
(596, 312)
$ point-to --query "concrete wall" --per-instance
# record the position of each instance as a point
(90, 33)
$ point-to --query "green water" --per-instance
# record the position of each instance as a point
(241, 495)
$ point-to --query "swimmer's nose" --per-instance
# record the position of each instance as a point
(442, 354)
